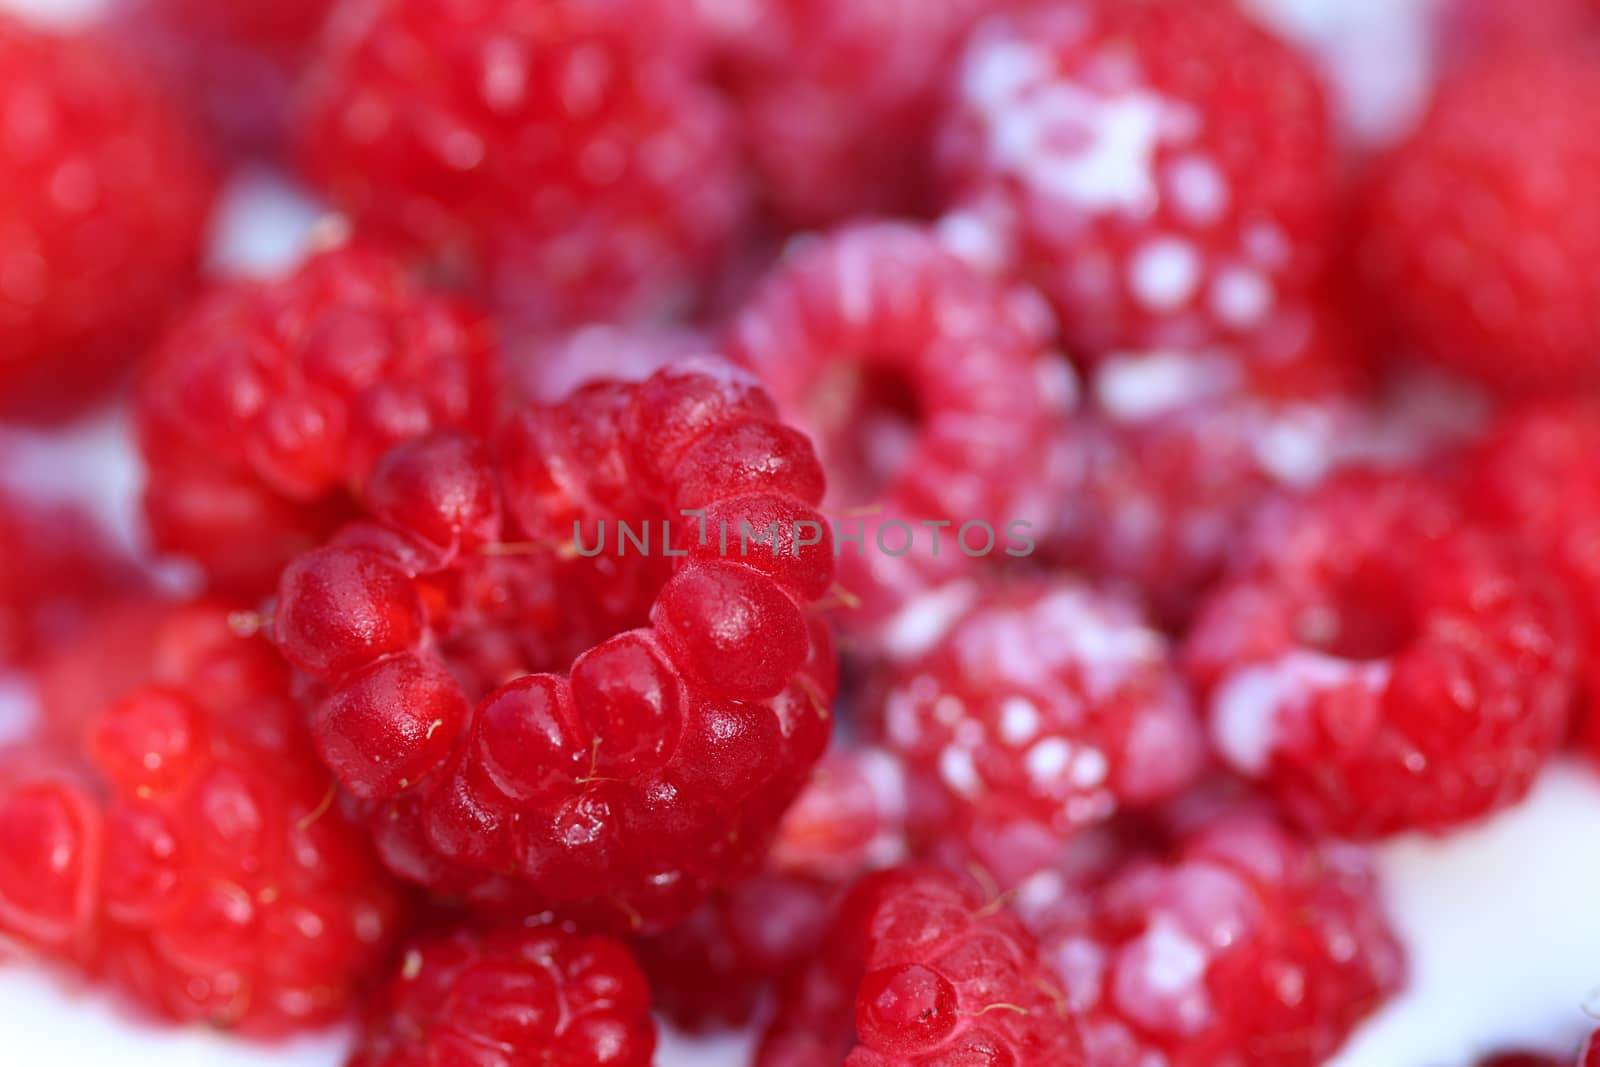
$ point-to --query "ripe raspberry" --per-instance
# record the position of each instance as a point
(837, 101)
(263, 409)
(1531, 476)
(56, 573)
(1479, 240)
(237, 61)
(1163, 171)
(932, 393)
(103, 206)
(1525, 1059)
(1234, 942)
(1164, 472)
(554, 152)
(715, 968)
(1045, 708)
(197, 863)
(918, 971)
(1590, 1056)
(512, 995)
(688, 689)
(1380, 664)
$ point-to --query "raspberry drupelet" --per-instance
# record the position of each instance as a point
(837, 101)
(1531, 476)
(537, 711)
(1221, 938)
(1381, 664)
(931, 391)
(1164, 172)
(263, 409)
(196, 858)
(1478, 241)
(563, 155)
(510, 995)
(919, 971)
(104, 198)
(1047, 707)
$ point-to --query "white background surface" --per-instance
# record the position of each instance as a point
(1502, 922)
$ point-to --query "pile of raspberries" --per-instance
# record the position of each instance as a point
(937, 533)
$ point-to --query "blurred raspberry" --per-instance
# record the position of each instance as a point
(263, 409)
(1163, 171)
(104, 200)
(1479, 240)
(562, 154)
(1380, 663)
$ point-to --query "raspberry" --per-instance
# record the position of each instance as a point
(554, 152)
(1045, 708)
(1525, 1059)
(713, 969)
(1478, 240)
(1531, 477)
(1163, 171)
(1590, 1057)
(197, 862)
(103, 206)
(918, 970)
(1234, 941)
(263, 409)
(837, 102)
(1381, 665)
(1166, 470)
(931, 391)
(242, 56)
(56, 572)
(508, 995)
(642, 716)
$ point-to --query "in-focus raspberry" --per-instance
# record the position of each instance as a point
(535, 709)
(511, 995)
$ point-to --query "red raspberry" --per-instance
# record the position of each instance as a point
(56, 573)
(553, 150)
(1382, 665)
(103, 206)
(512, 995)
(266, 405)
(1163, 474)
(238, 61)
(1479, 239)
(837, 101)
(1045, 708)
(931, 390)
(1532, 477)
(1236, 942)
(1163, 171)
(693, 688)
(918, 971)
(1590, 1057)
(714, 969)
(200, 864)
(1526, 1059)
